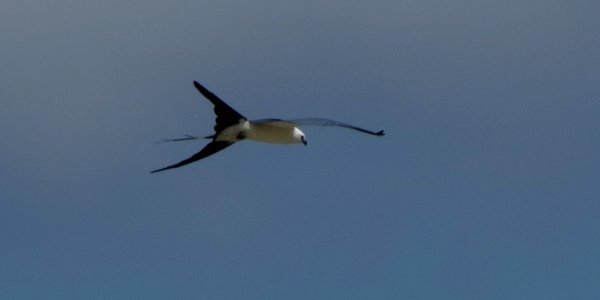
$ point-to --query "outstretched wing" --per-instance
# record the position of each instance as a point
(327, 122)
(226, 116)
(212, 148)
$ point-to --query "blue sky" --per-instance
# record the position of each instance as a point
(485, 186)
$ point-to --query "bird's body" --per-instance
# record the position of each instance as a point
(232, 127)
(272, 133)
(275, 133)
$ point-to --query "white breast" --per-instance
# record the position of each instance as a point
(274, 132)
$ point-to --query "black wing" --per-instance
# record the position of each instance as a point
(212, 148)
(226, 116)
(327, 122)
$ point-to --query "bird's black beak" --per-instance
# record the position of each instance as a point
(304, 142)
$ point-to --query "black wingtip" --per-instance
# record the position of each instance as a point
(158, 170)
(379, 133)
(199, 86)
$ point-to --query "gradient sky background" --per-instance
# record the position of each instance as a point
(486, 185)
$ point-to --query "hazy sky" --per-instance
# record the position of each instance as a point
(486, 185)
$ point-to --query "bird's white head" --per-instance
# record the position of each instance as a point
(299, 136)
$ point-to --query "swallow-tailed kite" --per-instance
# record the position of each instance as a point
(232, 127)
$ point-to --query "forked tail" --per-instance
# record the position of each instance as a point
(185, 137)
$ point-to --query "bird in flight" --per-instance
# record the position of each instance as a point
(232, 127)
